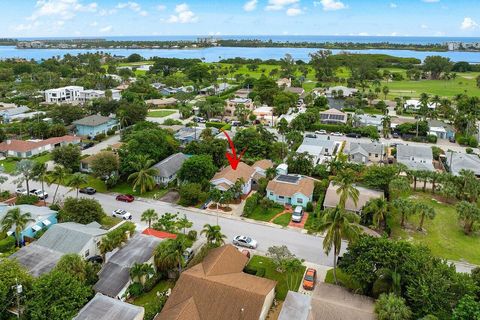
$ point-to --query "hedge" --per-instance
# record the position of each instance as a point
(7, 244)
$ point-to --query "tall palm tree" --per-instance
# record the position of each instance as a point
(345, 180)
(136, 272)
(15, 217)
(143, 175)
(213, 234)
(183, 223)
(25, 170)
(425, 211)
(41, 173)
(379, 209)
(169, 254)
(149, 215)
(76, 181)
(338, 224)
(57, 176)
(107, 245)
(404, 207)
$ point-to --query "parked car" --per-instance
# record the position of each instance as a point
(338, 134)
(120, 213)
(310, 135)
(125, 198)
(321, 132)
(244, 241)
(354, 135)
(39, 193)
(188, 255)
(297, 214)
(21, 192)
(236, 123)
(395, 135)
(310, 279)
(199, 120)
(95, 259)
(88, 190)
(87, 145)
(215, 120)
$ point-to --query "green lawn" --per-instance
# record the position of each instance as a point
(160, 113)
(93, 182)
(126, 188)
(150, 298)
(10, 163)
(109, 221)
(282, 278)
(265, 214)
(283, 220)
(444, 234)
(343, 280)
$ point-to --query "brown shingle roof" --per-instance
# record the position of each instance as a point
(219, 290)
(243, 171)
(305, 186)
(263, 164)
(24, 146)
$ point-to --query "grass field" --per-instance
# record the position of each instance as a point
(150, 298)
(109, 221)
(9, 163)
(126, 188)
(160, 113)
(265, 214)
(283, 220)
(282, 278)
(444, 234)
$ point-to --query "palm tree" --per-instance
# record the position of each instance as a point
(388, 281)
(386, 124)
(107, 245)
(136, 272)
(184, 223)
(40, 170)
(15, 217)
(169, 254)
(58, 176)
(469, 214)
(143, 176)
(379, 208)
(76, 181)
(404, 207)
(338, 224)
(392, 307)
(346, 189)
(149, 215)
(213, 234)
(425, 211)
(25, 169)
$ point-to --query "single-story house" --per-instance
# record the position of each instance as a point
(441, 129)
(291, 189)
(37, 259)
(260, 167)
(363, 120)
(218, 289)
(332, 198)
(327, 302)
(232, 104)
(86, 163)
(264, 114)
(415, 157)
(284, 82)
(94, 125)
(169, 90)
(114, 277)
(167, 168)
(189, 134)
(414, 104)
(365, 153)
(164, 102)
(458, 161)
(226, 178)
(296, 90)
(105, 308)
(320, 148)
(216, 89)
(333, 116)
(340, 91)
(42, 219)
(28, 148)
(8, 114)
(72, 237)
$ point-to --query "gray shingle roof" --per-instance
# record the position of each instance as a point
(464, 161)
(295, 307)
(115, 274)
(69, 237)
(170, 165)
(105, 308)
(366, 148)
(37, 259)
(415, 157)
(15, 111)
(92, 121)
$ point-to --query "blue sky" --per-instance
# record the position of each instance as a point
(36, 18)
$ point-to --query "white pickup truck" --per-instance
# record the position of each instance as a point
(39, 193)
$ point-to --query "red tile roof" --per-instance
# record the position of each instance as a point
(159, 234)
(24, 146)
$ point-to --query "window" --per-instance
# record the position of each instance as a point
(299, 200)
(376, 155)
(271, 193)
(281, 197)
(369, 154)
(87, 253)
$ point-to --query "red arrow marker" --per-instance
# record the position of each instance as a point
(232, 157)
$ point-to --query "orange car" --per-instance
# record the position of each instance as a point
(310, 279)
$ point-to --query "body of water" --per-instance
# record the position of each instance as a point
(217, 53)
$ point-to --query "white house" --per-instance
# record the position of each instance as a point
(67, 94)
(321, 149)
(414, 104)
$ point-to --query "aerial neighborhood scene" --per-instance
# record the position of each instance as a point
(239, 160)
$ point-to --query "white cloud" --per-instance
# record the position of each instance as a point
(393, 5)
(468, 24)
(143, 13)
(106, 29)
(431, 1)
(94, 24)
(129, 5)
(330, 5)
(250, 5)
(275, 5)
(104, 12)
(294, 12)
(423, 26)
(61, 9)
(183, 15)
(161, 7)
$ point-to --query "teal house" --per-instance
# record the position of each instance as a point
(42, 219)
(94, 125)
(289, 189)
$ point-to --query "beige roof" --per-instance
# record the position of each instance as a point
(304, 186)
(243, 171)
(332, 198)
(24, 146)
(218, 289)
(333, 111)
(263, 164)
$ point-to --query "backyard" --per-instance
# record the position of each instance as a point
(294, 278)
(444, 234)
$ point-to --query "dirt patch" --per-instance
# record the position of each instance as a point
(213, 206)
(171, 197)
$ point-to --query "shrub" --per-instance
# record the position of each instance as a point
(135, 289)
(111, 132)
(100, 136)
(191, 194)
(250, 204)
(250, 270)
(431, 138)
(192, 235)
(309, 207)
(469, 150)
(171, 122)
(7, 244)
(81, 210)
(26, 199)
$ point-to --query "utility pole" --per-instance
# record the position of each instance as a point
(17, 291)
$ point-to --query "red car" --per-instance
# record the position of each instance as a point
(125, 197)
(310, 279)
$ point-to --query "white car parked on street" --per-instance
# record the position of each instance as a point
(120, 213)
